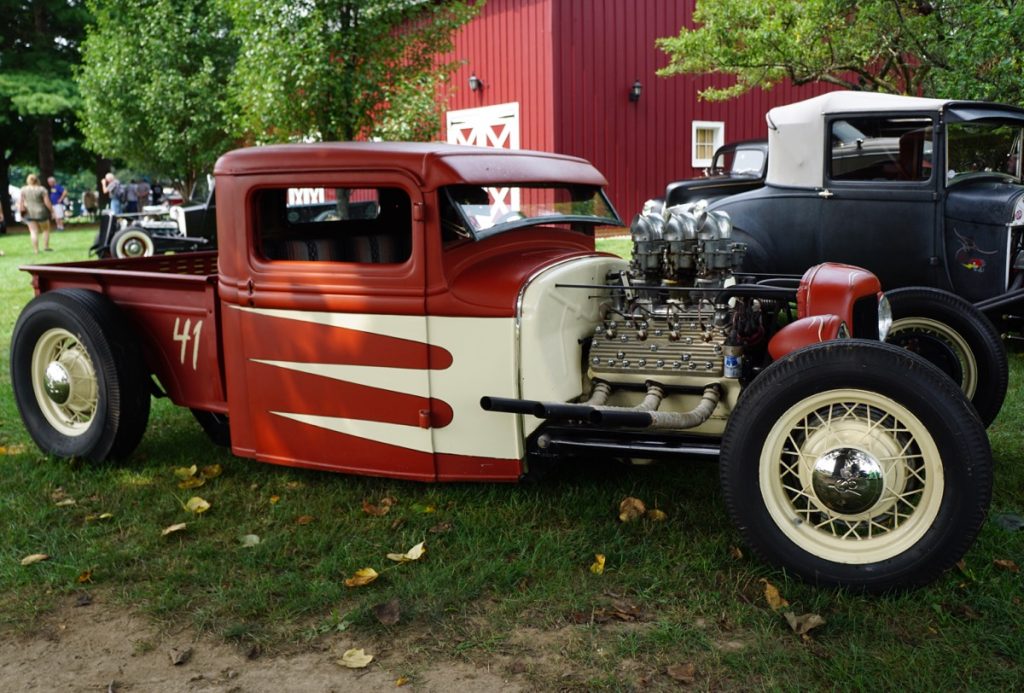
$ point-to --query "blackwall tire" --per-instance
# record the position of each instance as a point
(216, 426)
(132, 242)
(957, 338)
(858, 464)
(78, 377)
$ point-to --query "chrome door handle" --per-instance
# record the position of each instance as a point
(825, 193)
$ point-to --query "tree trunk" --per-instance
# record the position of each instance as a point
(44, 130)
(5, 199)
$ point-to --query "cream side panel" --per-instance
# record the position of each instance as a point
(483, 363)
(553, 320)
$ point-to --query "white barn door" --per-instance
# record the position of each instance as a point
(488, 126)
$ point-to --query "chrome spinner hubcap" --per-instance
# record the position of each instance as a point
(57, 383)
(848, 480)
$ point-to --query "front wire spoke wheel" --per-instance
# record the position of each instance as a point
(852, 476)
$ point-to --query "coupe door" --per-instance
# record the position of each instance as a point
(879, 207)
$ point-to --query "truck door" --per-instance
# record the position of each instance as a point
(330, 326)
(879, 203)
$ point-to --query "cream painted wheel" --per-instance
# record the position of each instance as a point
(955, 337)
(64, 382)
(947, 336)
(78, 375)
(856, 463)
(132, 242)
(851, 476)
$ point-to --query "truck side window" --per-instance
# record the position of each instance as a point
(894, 148)
(328, 224)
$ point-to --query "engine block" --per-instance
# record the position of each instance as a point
(661, 347)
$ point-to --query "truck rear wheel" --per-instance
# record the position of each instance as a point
(132, 242)
(956, 337)
(856, 463)
(78, 376)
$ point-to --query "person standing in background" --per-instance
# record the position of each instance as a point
(36, 209)
(158, 193)
(58, 197)
(142, 190)
(114, 189)
(133, 197)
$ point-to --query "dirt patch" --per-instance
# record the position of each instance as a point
(102, 648)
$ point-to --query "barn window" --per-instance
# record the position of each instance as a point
(707, 137)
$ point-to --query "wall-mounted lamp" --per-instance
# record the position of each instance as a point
(475, 83)
(634, 91)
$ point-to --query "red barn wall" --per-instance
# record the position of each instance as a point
(509, 47)
(570, 65)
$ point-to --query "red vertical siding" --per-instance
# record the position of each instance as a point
(509, 47)
(570, 65)
(600, 48)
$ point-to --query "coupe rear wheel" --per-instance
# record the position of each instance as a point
(78, 377)
(132, 242)
(856, 463)
(957, 338)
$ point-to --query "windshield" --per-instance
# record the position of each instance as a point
(477, 212)
(983, 149)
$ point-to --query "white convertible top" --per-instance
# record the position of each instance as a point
(796, 133)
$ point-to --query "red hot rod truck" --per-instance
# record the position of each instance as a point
(438, 313)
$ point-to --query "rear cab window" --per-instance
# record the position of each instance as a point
(332, 224)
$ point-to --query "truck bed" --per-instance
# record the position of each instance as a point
(171, 301)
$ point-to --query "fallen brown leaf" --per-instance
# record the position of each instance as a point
(1006, 564)
(274, 500)
(85, 576)
(65, 503)
(736, 553)
(397, 522)
(388, 613)
(597, 567)
(413, 554)
(355, 659)
(401, 681)
(304, 519)
(363, 576)
(656, 515)
(192, 482)
(375, 510)
(34, 558)
(631, 509)
(772, 596)
(684, 673)
(197, 505)
(171, 529)
(211, 471)
(185, 472)
(803, 623)
(179, 657)
(441, 528)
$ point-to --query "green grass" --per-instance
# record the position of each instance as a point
(515, 557)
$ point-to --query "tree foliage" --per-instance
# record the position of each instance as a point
(38, 47)
(928, 47)
(153, 84)
(339, 69)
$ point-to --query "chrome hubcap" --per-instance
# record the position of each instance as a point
(64, 382)
(57, 383)
(848, 480)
